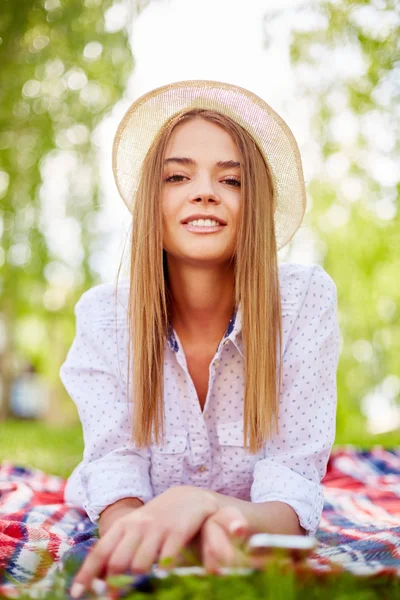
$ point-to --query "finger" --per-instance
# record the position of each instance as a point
(218, 549)
(95, 561)
(147, 552)
(209, 560)
(208, 557)
(123, 554)
(232, 521)
(173, 545)
(213, 563)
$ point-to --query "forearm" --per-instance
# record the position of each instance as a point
(264, 517)
(115, 511)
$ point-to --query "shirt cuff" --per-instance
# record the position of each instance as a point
(273, 481)
(103, 487)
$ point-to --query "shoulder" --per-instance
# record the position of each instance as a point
(297, 282)
(104, 303)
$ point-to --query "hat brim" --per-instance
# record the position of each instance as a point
(147, 117)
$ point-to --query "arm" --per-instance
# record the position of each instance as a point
(264, 517)
(294, 460)
(238, 518)
(287, 495)
(115, 511)
(112, 468)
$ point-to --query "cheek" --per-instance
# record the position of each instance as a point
(169, 201)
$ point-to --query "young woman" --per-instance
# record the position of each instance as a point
(207, 387)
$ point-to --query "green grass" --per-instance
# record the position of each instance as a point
(275, 583)
(55, 449)
(58, 449)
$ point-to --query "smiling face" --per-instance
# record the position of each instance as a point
(202, 180)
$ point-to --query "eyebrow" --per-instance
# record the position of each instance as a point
(224, 164)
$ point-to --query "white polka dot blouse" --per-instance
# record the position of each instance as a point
(205, 448)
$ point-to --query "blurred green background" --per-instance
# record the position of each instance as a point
(64, 64)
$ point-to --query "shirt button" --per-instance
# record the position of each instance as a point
(217, 363)
(202, 469)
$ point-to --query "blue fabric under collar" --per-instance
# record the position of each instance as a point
(173, 344)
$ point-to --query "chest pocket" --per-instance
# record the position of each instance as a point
(237, 463)
(167, 462)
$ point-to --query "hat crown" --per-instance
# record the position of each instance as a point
(147, 117)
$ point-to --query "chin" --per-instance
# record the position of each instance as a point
(200, 255)
(205, 260)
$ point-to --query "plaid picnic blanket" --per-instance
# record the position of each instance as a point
(359, 530)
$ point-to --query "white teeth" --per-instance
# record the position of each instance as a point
(203, 223)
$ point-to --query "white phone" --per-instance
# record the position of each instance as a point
(297, 546)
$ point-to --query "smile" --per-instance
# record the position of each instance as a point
(203, 227)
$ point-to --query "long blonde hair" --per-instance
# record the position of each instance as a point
(256, 291)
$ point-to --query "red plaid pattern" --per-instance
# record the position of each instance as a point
(359, 529)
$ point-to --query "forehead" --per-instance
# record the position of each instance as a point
(198, 139)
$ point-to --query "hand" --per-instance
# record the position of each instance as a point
(160, 529)
(220, 536)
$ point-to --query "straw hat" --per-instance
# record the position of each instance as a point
(148, 116)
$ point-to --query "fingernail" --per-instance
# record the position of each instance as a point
(237, 527)
(77, 590)
(99, 586)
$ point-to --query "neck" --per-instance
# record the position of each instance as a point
(202, 300)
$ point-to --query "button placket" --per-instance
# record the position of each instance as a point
(198, 434)
(180, 357)
(200, 446)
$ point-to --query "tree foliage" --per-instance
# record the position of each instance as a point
(346, 58)
(63, 65)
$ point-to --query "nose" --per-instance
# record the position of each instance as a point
(205, 199)
(204, 191)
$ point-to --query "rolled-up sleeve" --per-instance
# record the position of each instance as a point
(295, 459)
(112, 468)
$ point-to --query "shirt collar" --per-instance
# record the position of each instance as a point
(233, 332)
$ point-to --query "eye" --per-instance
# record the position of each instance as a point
(174, 178)
(232, 181)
